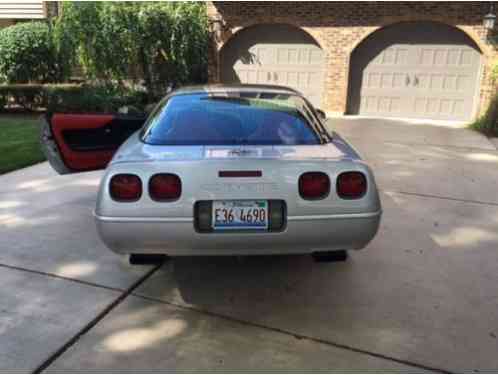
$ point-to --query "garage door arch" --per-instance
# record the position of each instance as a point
(278, 54)
(420, 69)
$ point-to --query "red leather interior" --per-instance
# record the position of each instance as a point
(80, 160)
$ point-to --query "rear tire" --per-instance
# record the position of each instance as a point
(330, 256)
(143, 259)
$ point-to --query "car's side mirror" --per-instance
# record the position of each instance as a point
(321, 114)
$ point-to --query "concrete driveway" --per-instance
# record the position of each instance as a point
(422, 297)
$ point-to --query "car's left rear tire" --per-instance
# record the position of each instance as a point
(143, 259)
(330, 256)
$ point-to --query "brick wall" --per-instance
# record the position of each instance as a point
(340, 26)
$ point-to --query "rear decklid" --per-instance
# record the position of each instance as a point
(134, 150)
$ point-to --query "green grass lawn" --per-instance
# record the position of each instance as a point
(19, 145)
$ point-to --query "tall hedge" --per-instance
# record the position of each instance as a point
(72, 98)
(27, 53)
(161, 43)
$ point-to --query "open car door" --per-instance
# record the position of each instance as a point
(84, 142)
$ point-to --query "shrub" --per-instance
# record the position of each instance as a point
(86, 98)
(163, 43)
(26, 53)
(28, 96)
(72, 97)
(488, 123)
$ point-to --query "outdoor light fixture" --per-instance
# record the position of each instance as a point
(490, 18)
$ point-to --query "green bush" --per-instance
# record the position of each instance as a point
(26, 53)
(86, 98)
(28, 96)
(72, 97)
(155, 45)
(488, 123)
(163, 43)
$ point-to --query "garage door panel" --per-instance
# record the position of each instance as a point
(396, 55)
(434, 106)
(280, 54)
(377, 104)
(427, 70)
(447, 57)
(383, 89)
(385, 80)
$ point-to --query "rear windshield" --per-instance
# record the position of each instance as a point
(232, 119)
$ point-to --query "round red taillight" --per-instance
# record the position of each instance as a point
(351, 185)
(165, 187)
(314, 185)
(125, 187)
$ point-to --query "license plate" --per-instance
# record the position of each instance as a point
(244, 214)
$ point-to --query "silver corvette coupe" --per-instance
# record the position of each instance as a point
(221, 170)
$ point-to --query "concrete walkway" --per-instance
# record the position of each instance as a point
(422, 297)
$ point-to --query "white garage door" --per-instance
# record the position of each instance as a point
(416, 69)
(277, 55)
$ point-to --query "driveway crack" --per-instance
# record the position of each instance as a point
(298, 336)
(73, 340)
(439, 197)
(56, 276)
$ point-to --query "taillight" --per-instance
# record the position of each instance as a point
(314, 185)
(165, 187)
(125, 187)
(351, 185)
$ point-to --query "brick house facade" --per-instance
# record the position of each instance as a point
(339, 27)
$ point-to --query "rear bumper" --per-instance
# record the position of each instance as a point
(177, 236)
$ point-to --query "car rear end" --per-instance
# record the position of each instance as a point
(236, 172)
(311, 205)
